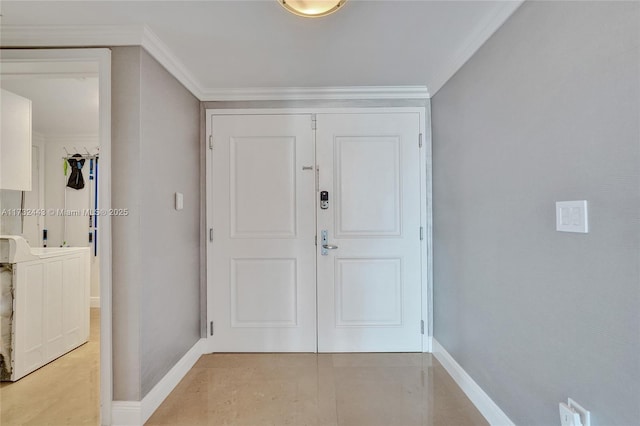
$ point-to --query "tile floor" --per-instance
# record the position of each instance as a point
(323, 389)
(255, 389)
(64, 392)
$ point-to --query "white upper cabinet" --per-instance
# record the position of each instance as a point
(15, 142)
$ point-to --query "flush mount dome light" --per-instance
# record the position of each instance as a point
(312, 8)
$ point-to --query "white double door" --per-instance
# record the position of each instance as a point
(271, 287)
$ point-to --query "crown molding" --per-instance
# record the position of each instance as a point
(47, 75)
(70, 35)
(141, 35)
(474, 42)
(100, 35)
(316, 93)
(156, 48)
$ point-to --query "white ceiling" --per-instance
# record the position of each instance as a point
(59, 106)
(242, 44)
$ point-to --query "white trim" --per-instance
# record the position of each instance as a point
(489, 409)
(141, 35)
(316, 93)
(426, 219)
(156, 48)
(126, 413)
(94, 302)
(309, 110)
(473, 43)
(429, 258)
(101, 35)
(71, 35)
(134, 413)
(104, 239)
(48, 75)
(208, 189)
(102, 57)
(163, 388)
(38, 140)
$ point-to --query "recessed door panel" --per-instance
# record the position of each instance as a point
(264, 293)
(263, 207)
(368, 186)
(368, 292)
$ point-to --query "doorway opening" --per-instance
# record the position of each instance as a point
(318, 230)
(69, 93)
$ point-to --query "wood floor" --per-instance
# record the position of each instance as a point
(255, 389)
(63, 392)
(322, 389)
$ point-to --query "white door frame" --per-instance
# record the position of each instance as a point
(41, 172)
(425, 196)
(102, 58)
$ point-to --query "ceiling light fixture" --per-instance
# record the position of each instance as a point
(312, 8)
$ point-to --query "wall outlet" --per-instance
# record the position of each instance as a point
(568, 416)
(572, 216)
(585, 416)
(573, 414)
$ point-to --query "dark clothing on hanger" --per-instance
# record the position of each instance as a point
(76, 181)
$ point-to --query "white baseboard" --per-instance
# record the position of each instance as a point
(154, 398)
(428, 345)
(135, 413)
(126, 413)
(489, 409)
(94, 302)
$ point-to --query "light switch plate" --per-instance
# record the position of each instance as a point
(179, 201)
(572, 216)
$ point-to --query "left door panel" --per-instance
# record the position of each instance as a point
(262, 287)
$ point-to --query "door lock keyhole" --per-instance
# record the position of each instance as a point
(324, 200)
(324, 240)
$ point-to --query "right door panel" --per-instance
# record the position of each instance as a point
(369, 278)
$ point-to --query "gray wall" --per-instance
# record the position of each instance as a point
(547, 110)
(156, 249)
(126, 238)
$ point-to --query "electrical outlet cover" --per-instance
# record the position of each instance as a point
(568, 416)
(572, 216)
(585, 416)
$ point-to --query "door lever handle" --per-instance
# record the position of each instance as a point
(325, 243)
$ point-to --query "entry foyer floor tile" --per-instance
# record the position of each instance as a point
(317, 389)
